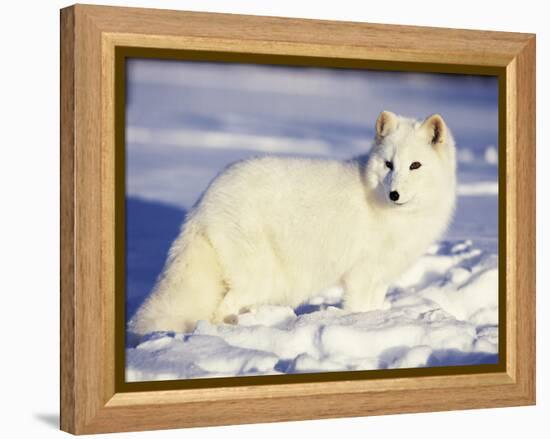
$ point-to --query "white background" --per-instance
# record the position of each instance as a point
(29, 218)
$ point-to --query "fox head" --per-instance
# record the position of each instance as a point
(412, 164)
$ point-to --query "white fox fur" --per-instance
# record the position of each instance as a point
(279, 230)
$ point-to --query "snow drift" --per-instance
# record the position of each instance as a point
(444, 311)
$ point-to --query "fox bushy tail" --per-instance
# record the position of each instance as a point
(189, 289)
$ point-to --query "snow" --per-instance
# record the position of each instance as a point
(491, 155)
(188, 121)
(444, 310)
(186, 138)
(199, 117)
(479, 188)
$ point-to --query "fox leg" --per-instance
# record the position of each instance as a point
(233, 303)
(363, 293)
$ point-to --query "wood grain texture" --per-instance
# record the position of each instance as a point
(370, 41)
(67, 254)
(525, 220)
(512, 213)
(90, 321)
(89, 36)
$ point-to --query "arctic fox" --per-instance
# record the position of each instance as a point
(279, 230)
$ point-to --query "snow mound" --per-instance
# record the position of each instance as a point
(444, 311)
(482, 188)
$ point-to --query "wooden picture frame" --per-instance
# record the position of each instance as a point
(91, 36)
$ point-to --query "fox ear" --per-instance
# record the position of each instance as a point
(436, 130)
(385, 124)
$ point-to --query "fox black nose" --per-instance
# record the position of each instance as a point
(394, 195)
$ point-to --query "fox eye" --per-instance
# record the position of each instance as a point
(415, 165)
(389, 165)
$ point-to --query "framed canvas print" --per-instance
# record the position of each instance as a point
(268, 219)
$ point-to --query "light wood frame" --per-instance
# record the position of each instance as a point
(89, 37)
